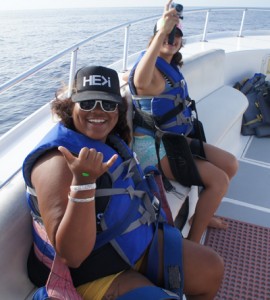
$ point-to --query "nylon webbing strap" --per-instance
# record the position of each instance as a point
(167, 185)
(146, 218)
(129, 160)
(116, 230)
(200, 133)
(172, 259)
(173, 264)
(148, 121)
(153, 258)
(169, 115)
(119, 191)
(143, 119)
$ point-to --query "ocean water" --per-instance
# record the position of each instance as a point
(29, 37)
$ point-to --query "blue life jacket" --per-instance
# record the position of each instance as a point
(128, 220)
(172, 109)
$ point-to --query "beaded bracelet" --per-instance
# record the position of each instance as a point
(77, 200)
(85, 187)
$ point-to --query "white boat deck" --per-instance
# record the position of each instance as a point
(229, 44)
(248, 197)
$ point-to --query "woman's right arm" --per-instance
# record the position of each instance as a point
(147, 79)
(71, 227)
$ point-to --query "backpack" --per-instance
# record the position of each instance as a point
(256, 118)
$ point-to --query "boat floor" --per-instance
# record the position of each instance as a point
(248, 196)
(245, 245)
(244, 248)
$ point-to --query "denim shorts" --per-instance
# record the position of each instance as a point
(145, 149)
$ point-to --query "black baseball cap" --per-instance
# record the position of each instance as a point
(96, 83)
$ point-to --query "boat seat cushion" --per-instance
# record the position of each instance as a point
(16, 239)
(204, 73)
(220, 111)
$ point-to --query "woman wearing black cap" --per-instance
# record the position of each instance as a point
(157, 74)
(94, 217)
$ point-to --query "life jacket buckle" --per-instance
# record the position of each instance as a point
(155, 203)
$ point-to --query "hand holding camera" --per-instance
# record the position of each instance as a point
(179, 9)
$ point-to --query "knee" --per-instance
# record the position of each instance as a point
(204, 269)
(213, 274)
(218, 182)
(232, 166)
(216, 272)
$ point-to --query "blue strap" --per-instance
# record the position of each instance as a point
(148, 293)
(173, 264)
(42, 245)
(170, 70)
(109, 234)
(153, 259)
(41, 294)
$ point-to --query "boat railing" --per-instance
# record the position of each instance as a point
(74, 48)
(9, 139)
(212, 10)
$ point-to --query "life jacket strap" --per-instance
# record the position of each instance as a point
(172, 259)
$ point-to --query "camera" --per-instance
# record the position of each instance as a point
(179, 8)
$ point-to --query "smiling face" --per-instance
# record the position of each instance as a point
(170, 50)
(96, 124)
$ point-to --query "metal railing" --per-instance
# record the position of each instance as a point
(74, 49)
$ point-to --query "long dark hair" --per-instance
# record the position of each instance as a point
(63, 107)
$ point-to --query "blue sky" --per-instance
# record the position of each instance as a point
(39, 4)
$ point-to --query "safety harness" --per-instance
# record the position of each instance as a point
(171, 117)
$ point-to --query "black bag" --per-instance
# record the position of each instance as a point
(256, 119)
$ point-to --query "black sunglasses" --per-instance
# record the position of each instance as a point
(106, 106)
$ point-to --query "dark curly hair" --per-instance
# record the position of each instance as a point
(63, 108)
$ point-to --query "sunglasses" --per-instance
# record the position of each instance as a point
(106, 106)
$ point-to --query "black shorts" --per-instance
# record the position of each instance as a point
(196, 149)
(181, 158)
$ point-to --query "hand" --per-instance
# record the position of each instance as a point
(170, 18)
(88, 161)
(167, 5)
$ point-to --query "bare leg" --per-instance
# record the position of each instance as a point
(215, 174)
(203, 269)
(218, 223)
(125, 282)
(221, 159)
(215, 222)
(216, 183)
(229, 164)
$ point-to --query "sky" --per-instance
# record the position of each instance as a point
(41, 4)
